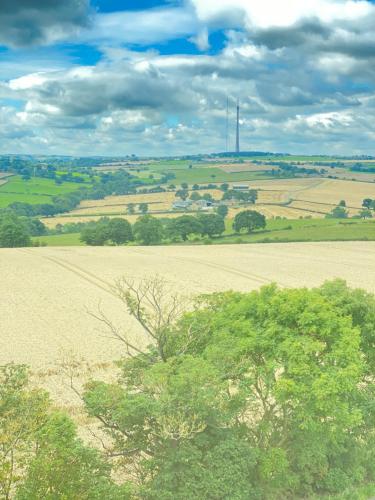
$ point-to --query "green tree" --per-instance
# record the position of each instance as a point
(148, 230)
(342, 203)
(95, 234)
(131, 208)
(120, 231)
(195, 196)
(143, 208)
(249, 220)
(222, 210)
(369, 203)
(183, 194)
(64, 468)
(22, 413)
(184, 226)
(365, 214)
(184, 186)
(338, 213)
(211, 225)
(224, 187)
(13, 232)
(269, 393)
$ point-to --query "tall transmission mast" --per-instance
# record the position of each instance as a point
(238, 128)
(227, 129)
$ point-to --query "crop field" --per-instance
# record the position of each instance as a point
(35, 190)
(43, 328)
(321, 190)
(52, 222)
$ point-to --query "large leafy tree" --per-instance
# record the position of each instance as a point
(211, 224)
(13, 232)
(148, 230)
(184, 226)
(269, 393)
(249, 220)
(120, 231)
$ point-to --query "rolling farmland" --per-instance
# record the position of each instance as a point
(33, 191)
(288, 198)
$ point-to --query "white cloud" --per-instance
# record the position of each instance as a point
(276, 13)
(141, 27)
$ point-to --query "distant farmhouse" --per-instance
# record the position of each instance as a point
(194, 205)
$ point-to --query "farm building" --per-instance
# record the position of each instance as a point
(240, 187)
(181, 205)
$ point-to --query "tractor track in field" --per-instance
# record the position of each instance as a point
(79, 272)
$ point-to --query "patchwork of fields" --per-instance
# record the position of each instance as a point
(289, 198)
(34, 191)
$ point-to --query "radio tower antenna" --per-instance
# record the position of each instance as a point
(238, 128)
(227, 128)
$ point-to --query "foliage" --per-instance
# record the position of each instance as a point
(211, 225)
(13, 231)
(63, 467)
(40, 454)
(148, 230)
(120, 231)
(269, 393)
(338, 212)
(222, 210)
(183, 194)
(117, 231)
(182, 227)
(369, 203)
(143, 208)
(249, 196)
(249, 220)
(365, 214)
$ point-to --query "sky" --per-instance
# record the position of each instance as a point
(153, 77)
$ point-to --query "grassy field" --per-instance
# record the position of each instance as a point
(201, 175)
(60, 240)
(33, 191)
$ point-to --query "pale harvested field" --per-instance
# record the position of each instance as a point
(321, 190)
(320, 208)
(51, 222)
(47, 294)
(288, 212)
(156, 201)
(272, 197)
(332, 191)
(45, 291)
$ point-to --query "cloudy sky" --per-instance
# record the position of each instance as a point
(152, 77)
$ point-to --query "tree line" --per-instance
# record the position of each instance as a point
(149, 230)
(261, 395)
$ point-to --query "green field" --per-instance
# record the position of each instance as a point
(34, 191)
(60, 240)
(305, 230)
(203, 175)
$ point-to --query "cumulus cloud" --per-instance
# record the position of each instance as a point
(303, 72)
(31, 22)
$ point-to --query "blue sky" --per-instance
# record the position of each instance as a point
(152, 77)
